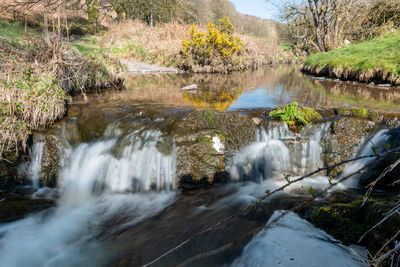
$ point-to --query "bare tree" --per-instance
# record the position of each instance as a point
(321, 23)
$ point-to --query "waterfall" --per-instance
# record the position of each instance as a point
(132, 164)
(375, 142)
(35, 166)
(117, 175)
(278, 152)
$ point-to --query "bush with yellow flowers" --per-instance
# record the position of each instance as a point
(216, 50)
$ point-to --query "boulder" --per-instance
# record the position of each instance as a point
(204, 141)
(344, 139)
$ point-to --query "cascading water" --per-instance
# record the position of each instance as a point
(92, 178)
(374, 143)
(278, 152)
(35, 166)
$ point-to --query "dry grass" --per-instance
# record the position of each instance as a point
(162, 45)
(36, 74)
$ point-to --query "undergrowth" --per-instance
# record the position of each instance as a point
(216, 50)
(36, 75)
(162, 45)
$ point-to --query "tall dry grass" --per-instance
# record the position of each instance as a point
(162, 44)
(37, 73)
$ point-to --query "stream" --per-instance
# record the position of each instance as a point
(117, 199)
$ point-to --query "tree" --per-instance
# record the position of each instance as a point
(322, 23)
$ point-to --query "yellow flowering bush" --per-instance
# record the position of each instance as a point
(216, 50)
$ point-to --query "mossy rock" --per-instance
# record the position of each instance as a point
(349, 221)
(195, 133)
(344, 139)
(293, 115)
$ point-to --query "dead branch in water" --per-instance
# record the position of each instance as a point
(255, 231)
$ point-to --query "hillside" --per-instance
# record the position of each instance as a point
(376, 60)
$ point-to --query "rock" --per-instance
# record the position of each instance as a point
(343, 140)
(15, 208)
(57, 139)
(347, 42)
(350, 220)
(204, 141)
(256, 120)
(190, 87)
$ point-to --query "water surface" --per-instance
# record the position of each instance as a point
(262, 88)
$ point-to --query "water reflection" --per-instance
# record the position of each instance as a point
(263, 88)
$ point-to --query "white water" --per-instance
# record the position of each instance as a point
(278, 152)
(377, 141)
(35, 166)
(293, 241)
(91, 180)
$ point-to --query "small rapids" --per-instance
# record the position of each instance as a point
(279, 155)
(129, 176)
(99, 180)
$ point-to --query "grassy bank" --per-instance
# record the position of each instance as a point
(376, 60)
(163, 45)
(36, 76)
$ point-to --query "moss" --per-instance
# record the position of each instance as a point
(221, 137)
(349, 221)
(358, 113)
(292, 115)
(309, 114)
(210, 119)
(204, 139)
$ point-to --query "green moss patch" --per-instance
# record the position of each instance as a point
(292, 115)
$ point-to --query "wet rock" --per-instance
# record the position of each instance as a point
(57, 139)
(15, 208)
(345, 137)
(348, 221)
(204, 139)
(389, 181)
(10, 173)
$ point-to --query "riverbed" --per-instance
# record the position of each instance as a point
(114, 161)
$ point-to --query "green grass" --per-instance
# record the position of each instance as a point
(90, 45)
(381, 53)
(13, 34)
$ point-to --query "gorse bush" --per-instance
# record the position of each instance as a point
(218, 50)
(292, 115)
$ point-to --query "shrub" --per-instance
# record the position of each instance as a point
(292, 115)
(218, 49)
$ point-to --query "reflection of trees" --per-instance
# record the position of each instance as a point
(282, 84)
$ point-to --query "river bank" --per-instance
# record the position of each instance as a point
(373, 61)
(38, 75)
